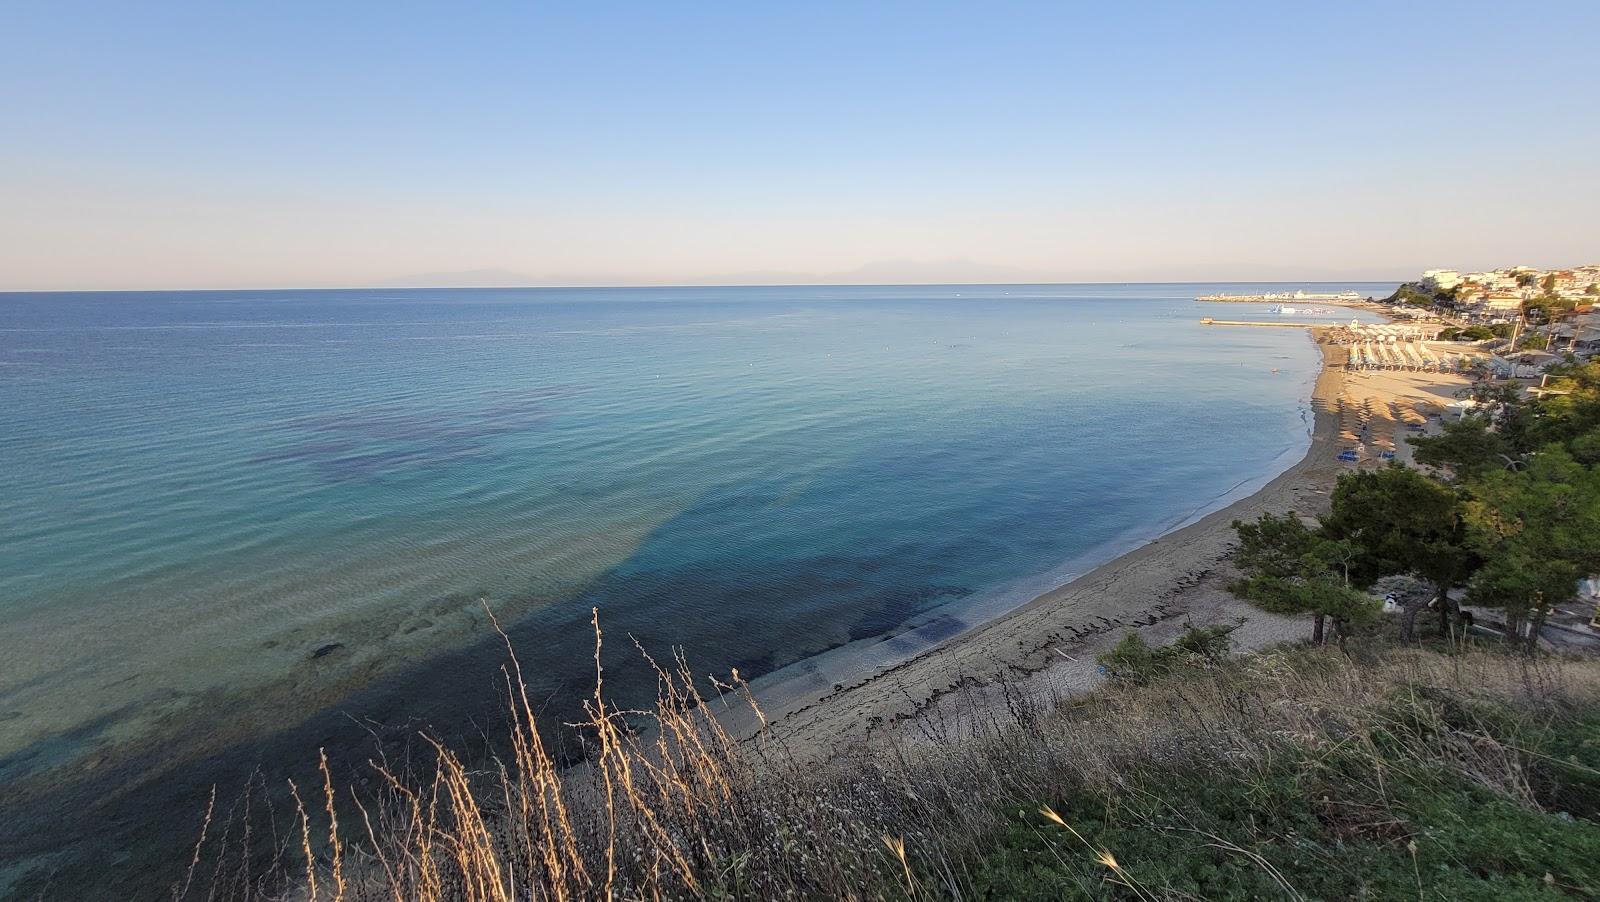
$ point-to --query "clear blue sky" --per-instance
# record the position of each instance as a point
(242, 144)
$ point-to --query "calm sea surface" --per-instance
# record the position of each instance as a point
(281, 502)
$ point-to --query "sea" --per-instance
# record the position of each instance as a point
(239, 526)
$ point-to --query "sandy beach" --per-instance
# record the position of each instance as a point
(1047, 647)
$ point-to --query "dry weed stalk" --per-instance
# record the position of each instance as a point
(678, 808)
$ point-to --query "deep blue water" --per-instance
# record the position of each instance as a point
(202, 489)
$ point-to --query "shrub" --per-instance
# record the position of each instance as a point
(1133, 660)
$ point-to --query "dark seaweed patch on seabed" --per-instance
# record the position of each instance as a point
(50, 751)
(307, 451)
(893, 606)
(377, 463)
(374, 441)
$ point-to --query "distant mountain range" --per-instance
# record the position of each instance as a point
(880, 272)
(466, 278)
(889, 272)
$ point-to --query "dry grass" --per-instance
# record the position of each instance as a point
(677, 808)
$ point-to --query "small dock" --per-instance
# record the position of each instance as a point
(1208, 321)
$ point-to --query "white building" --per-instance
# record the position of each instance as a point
(1499, 280)
(1441, 279)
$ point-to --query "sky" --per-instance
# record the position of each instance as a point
(242, 144)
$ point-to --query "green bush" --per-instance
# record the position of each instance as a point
(1133, 660)
(1424, 790)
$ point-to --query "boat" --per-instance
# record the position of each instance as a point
(1309, 311)
(1343, 297)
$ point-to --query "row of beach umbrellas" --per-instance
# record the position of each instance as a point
(1372, 422)
(1396, 356)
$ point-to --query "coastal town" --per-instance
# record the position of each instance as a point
(1523, 319)
(1501, 293)
(1453, 350)
(1512, 322)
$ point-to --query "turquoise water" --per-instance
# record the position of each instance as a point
(205, 489)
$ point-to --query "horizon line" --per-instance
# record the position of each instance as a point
(646, 287)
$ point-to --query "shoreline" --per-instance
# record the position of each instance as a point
(1044, 641)
(1046, 646)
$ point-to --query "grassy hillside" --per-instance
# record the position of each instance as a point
(1299, 773)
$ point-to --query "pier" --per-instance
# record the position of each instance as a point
(1208, 321)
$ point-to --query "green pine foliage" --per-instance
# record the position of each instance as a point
(1510, 510)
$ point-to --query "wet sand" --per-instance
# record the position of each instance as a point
(1046, 648)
